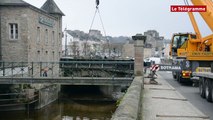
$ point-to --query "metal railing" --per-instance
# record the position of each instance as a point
(67, 69)
(18, 99)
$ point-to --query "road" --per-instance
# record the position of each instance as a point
(190, 93)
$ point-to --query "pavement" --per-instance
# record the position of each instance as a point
(162, 102)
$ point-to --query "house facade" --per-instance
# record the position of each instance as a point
(30, 34)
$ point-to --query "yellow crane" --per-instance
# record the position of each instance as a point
(191, 50)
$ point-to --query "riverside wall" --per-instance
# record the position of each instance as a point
(130, 105)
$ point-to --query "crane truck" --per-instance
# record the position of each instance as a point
(194, 53)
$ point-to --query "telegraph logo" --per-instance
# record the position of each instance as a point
(188, 8)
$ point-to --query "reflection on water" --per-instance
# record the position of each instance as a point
(66, 110)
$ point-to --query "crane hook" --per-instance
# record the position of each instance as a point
(97, 3)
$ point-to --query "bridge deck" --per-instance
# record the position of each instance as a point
(74, 72)
(68, 80)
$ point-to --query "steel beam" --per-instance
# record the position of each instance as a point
(68, 80)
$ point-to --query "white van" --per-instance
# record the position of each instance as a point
(155, 59)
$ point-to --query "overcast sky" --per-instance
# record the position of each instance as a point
(125, 17)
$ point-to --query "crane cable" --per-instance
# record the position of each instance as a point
(186, 2)
(98, 11)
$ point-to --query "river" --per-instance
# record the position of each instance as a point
(90, 105)
(65, 110)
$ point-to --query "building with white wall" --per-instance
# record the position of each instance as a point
(80, 44)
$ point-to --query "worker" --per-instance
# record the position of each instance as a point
(144, 66)
(45, 72)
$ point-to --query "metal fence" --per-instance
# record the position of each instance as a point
(24, 99)
(67, 69)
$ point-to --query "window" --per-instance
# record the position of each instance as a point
(59, 39)
(13, 31)
(38, 56)
(38, 34)
(183, 39)
(46, 36)
(53, 38)
(175, 42)
(53, 53)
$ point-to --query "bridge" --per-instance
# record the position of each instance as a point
(118, 81)
(68, 72)
(80, 72)
(49, 77)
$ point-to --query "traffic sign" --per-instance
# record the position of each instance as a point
(154, 67)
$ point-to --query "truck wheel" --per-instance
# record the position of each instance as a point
(180, 79)
(208, 90)
(175, 77)
(201, 87)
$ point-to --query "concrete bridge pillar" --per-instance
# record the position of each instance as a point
(139, 41)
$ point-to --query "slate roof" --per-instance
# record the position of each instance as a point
(51, 7)
(13, 2)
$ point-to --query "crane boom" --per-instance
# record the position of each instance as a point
(208, 15)
(195, 26)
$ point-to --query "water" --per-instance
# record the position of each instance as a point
(75, 103)
(66, 109)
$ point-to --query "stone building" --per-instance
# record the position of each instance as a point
(31, 34)
(96, 33)
(153, 47)
(128, 51)
(155, 42)
(28, 33)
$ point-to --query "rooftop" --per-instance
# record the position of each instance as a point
(13, 2)
(51, 7)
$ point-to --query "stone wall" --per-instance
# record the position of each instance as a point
(115, 92)
(31, 45)
(128, 51)
(48, 95)
(14, 50)
(130, 105)
(47, 46)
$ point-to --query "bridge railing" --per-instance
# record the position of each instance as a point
(29, 69)
(67, 69)
(26, 97)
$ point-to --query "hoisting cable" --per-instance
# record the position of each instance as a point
(97, 10)
(93, 18)
(97, 4)
(102, 23)
(186, 2)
